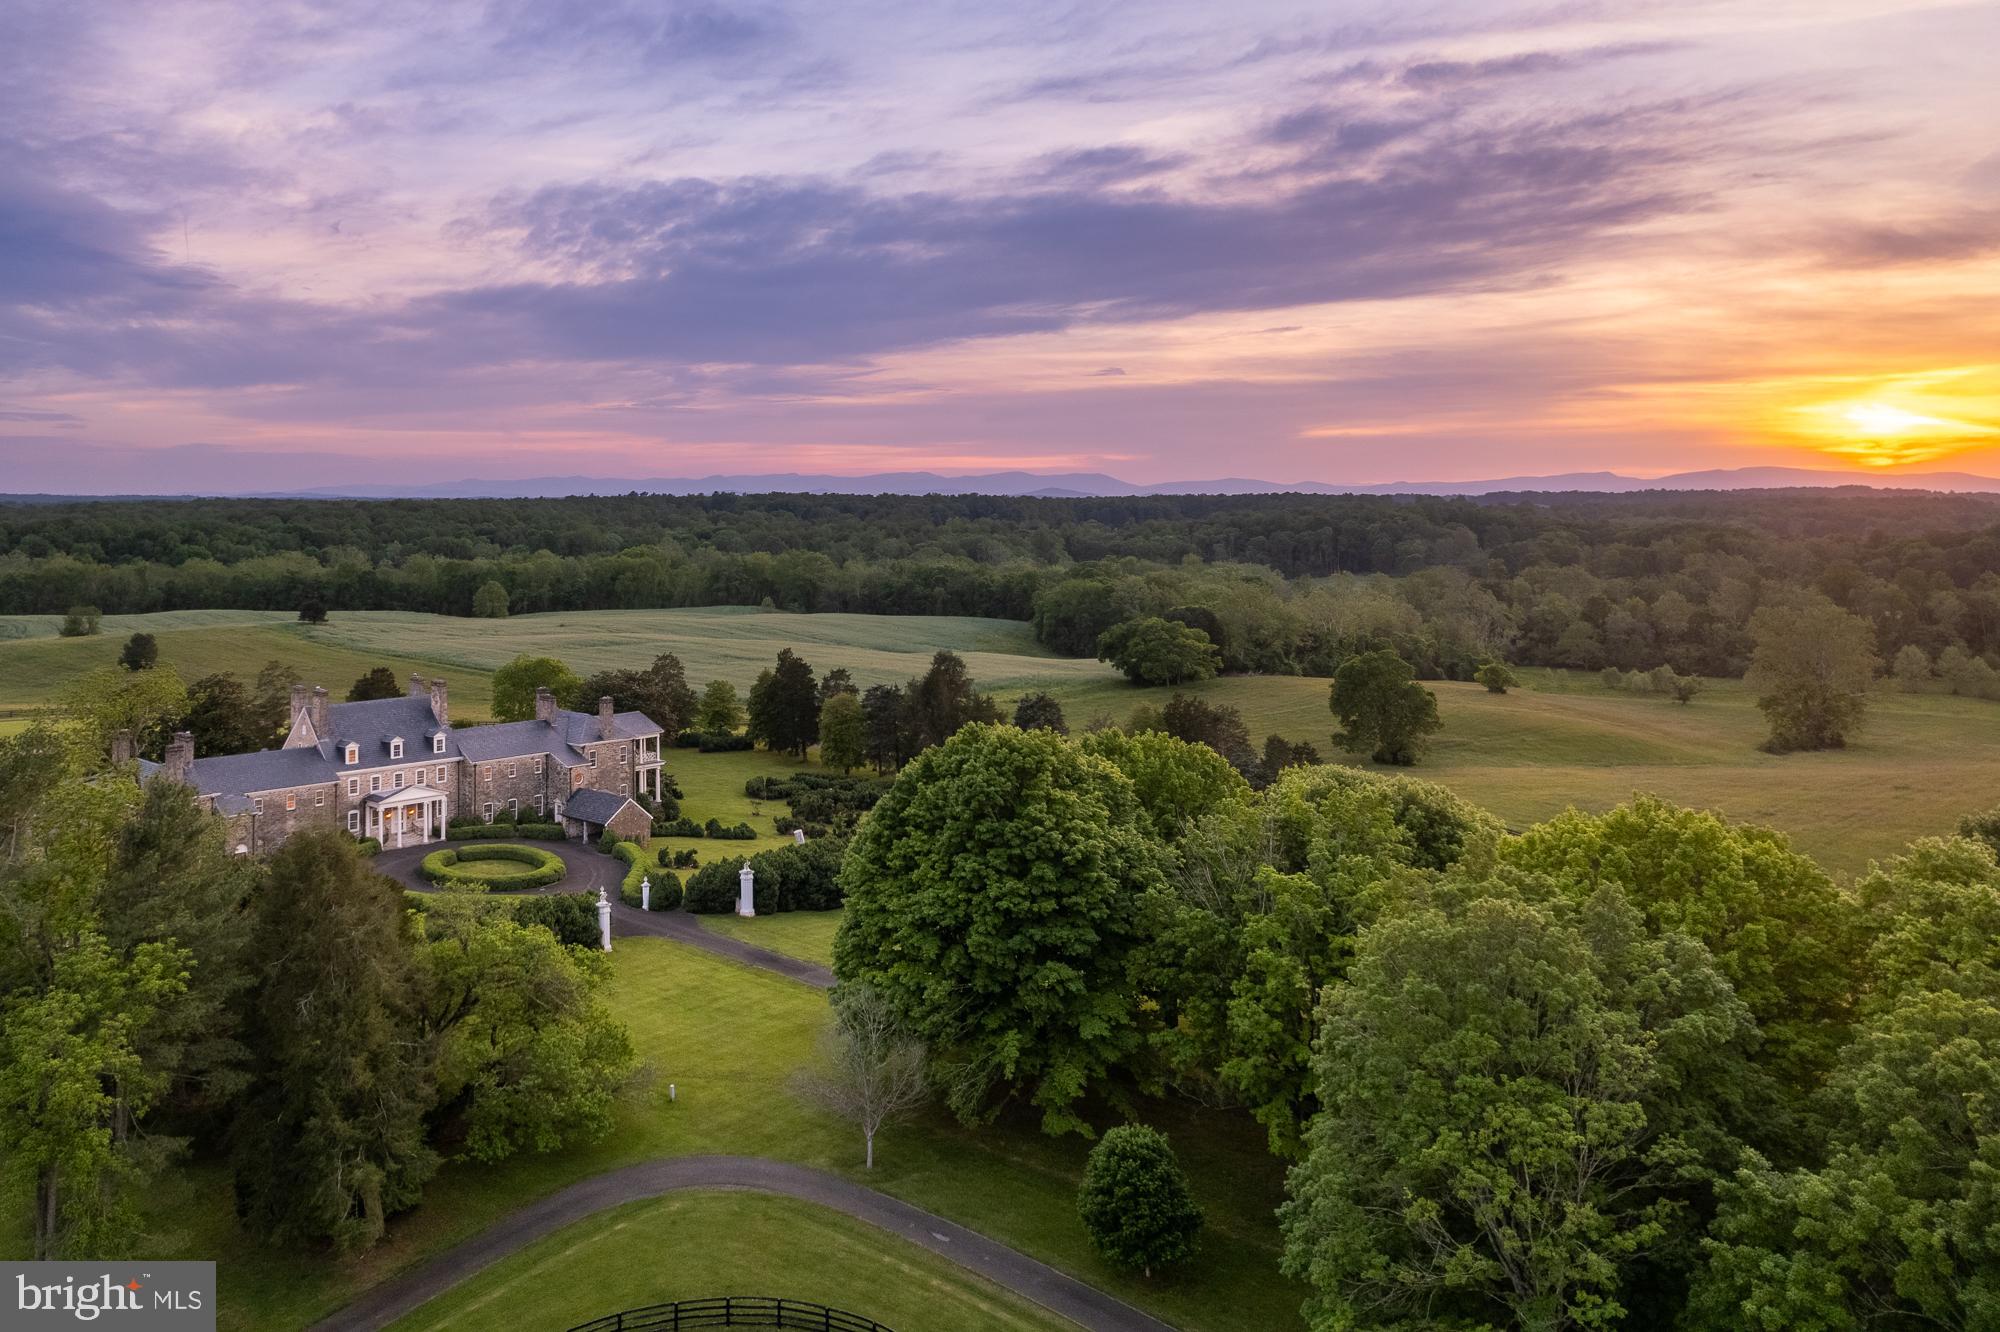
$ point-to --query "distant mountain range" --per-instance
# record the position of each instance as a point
(1098, 485)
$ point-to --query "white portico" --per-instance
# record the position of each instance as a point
(399, 818)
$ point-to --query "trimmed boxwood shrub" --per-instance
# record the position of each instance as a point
(741, 832)
(497, 866)
(677, 828)
(534, 832)
(571, 917)
(713, 743)
(789, 878)
(638, 865)
(679, 857)
(368, 846)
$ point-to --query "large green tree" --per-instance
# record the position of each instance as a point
(992, 898)
(941, 700)
(1135, 1201)
(1783, 933)
(1515, 1094)
(528, 1057)
(1812, 668)
(1153, 651)
(329, 1139)
(720, 712)
(784, 706)
(661, 691)
(843, 732)
(376, 682)
(1383, 712)
(515, 683)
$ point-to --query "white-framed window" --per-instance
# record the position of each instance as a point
(396, 748)
(399, 781)
(513, 769)
(437, 743)
(319, 799)
(538, 804)
(257, 805)
(354, 786)
(291, 800)
(374, 782)
(487, 810)
(514, 808)
(538, 765)
(624, 757)
(593, 758)
(486, 773)
(440, 774)
(422, 777)
(624, 788)
(353, 752)
(354, 820)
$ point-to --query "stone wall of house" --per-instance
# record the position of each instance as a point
(614, 771)
(633, 824)
(531, 784)
(354, 786)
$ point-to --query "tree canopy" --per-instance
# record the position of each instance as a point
(1383, 712)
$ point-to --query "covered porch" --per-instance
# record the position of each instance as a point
(413, 815)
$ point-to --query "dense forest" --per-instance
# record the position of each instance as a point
(1280, 583)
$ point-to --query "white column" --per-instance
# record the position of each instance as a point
(746, 904)
(604, 918)
(645, 892)
(799, 836)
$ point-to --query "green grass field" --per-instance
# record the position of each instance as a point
(729, 1038)
(690, 1245)
(1921, 761)
(801, 934)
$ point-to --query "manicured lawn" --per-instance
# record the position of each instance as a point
(801, 934)
(696, 1244)
(729, 1038)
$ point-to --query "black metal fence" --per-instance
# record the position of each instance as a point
(733, 1311)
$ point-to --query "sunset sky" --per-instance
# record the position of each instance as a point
(253, 245)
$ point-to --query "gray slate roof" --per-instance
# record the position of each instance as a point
(595, 806)
(371, 725)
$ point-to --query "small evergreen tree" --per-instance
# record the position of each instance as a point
(141, 652)
(1135, 1201)
(379, 682)
(1040, 712)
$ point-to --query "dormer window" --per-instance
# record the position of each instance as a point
(437, 744)
(353, 752)
(396, 748)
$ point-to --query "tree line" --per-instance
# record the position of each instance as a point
(1283, 583)
(1640, 1069)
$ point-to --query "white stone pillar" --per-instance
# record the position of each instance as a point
(604, 918)
(799, 836)
(746, 904)
(645, 892)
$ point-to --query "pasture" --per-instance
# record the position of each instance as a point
(1562, 739)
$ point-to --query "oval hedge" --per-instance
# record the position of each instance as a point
(499, 865)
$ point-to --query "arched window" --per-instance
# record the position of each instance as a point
(396, 748)
(353, 752)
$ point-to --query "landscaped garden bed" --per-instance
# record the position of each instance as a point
(499, 866)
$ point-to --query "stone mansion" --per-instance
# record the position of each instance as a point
(395, 769)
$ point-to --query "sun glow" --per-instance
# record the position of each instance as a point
(1914, 420)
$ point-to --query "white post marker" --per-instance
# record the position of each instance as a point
(746, 905)
(604, 918)
(799, 836)
(645, 893)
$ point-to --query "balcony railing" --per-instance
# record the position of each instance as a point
(732, 1311)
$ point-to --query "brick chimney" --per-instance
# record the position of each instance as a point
(123, 747)
(319, 711)
(440, 702)
(179, 766)
(604, 718)
(545, 704)
(301, 697)
(419, 686)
